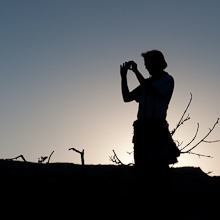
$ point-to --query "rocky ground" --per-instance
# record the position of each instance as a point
(109, 189)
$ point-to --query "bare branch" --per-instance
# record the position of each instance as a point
(182, 120)
(75, 150)
(50, 157)
(115, 159)
(203, 139)
(22, 157)
(209, 142)
(81, 153)
(199, 155)
(193, 137)
(15, 158)
(82, 161)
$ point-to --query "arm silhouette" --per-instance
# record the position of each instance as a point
(139, 76)
(126, 94)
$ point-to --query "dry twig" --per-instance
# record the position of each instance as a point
(193, 137)
(50, 157)
(182, 120)
(81, 154)
(200, 155)
(115, 159)
(82, 160)
(203, 139)
(15, 158)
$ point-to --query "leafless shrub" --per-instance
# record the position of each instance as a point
(203, 140)
(117, 161)
(43, 159)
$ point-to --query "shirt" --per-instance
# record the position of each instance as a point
(152, 105)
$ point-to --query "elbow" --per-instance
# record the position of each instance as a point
(127, 99)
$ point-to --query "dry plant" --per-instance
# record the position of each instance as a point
(203, 140)
(82, 160)
(40, 160)
(117, 161)
(81, 154)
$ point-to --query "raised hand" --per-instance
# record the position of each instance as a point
(123, 70)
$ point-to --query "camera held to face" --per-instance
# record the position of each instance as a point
(128, 65)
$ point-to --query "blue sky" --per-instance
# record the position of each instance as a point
(60, 82)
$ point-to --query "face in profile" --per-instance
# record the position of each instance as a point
(154, 61)
(151, 66)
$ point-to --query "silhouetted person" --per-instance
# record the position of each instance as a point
(151, 134)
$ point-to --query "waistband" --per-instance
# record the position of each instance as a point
(150, 120)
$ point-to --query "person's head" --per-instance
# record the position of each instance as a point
(154, 61)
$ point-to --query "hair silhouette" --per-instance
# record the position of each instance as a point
(154, 59)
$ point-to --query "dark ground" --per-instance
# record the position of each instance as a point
(112, 190)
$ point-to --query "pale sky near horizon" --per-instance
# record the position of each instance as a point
(60, 81)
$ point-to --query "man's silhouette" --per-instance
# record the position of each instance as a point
(153, 144)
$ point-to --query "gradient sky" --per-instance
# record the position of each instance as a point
(60, 82)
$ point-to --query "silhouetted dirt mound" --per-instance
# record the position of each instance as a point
(104, 188)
